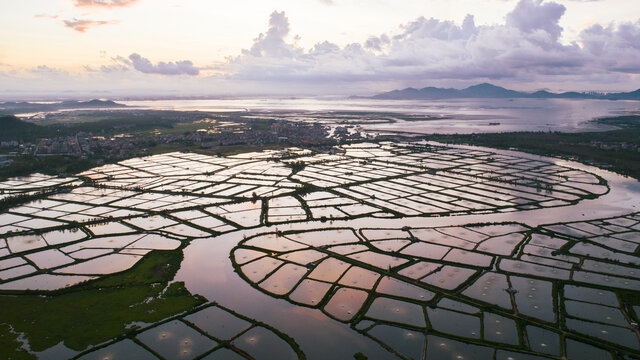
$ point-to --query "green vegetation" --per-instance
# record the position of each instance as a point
(626, 122)
(29, 107)
(99, 310)
(261, 125)
(616, 150)
(181, 128)
(21, 198)
(105, 123)
(16, 129)
(11, 346)
(50, 165)
(296, 166)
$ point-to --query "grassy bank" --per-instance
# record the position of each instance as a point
(97, 311)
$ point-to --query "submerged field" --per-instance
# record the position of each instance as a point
(379, 251)
(617, 150)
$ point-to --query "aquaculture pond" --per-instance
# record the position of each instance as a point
(377, 250)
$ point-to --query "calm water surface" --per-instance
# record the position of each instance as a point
(463, 115)
(207, 269)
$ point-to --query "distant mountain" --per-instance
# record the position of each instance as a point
(634, 95)
(25, 107)
(489, 91)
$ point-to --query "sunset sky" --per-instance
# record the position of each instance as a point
(113, 48)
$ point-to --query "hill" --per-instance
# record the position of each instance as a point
(490, 91)
(27, 107)
(16, 129)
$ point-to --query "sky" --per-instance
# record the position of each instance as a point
(182, 48)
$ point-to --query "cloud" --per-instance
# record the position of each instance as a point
(376, 43)
(118, 65)
(44, 69)
(45, 16)
(525, 48)
(107, 69)
(82, 25)
(48, 72)
(616, 48)
(171, 68)
(272, 43)
(526, 51)
(104, 3)
(534, 15)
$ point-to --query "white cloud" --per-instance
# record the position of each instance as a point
(525, 48)
(82, 25)
(184, 67)
(104, 3)
(616, 48)
(523, 52)
(46, 71)
(534, 15)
